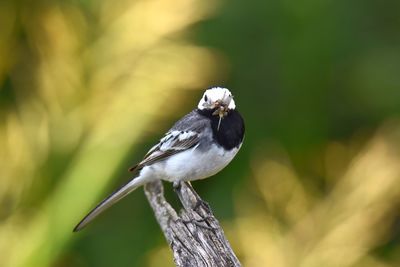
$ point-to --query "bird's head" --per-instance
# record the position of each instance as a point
(218, 99)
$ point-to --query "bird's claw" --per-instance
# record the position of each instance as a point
(202, 223)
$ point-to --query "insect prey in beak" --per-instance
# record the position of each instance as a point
(221, 112)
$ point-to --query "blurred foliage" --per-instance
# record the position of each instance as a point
(86, 87)
(80, 84)
(281, 222)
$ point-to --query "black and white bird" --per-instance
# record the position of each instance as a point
(198, 146)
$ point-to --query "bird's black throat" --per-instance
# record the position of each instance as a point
(231, 130)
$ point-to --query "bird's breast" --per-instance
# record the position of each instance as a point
(228, 132)
(194, 164)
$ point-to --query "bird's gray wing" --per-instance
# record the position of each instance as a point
(173, 143)
(185, 134)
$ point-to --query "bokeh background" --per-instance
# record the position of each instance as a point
(87, 86)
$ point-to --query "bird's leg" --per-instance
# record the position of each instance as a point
(198, 201)
(177, 186)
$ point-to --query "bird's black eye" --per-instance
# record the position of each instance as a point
(205, 98)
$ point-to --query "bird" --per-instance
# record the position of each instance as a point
(198, 146)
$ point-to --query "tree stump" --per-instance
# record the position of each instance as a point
(194, 234)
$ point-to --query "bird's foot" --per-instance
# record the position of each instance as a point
(201, 203)
(198, 202)
(202, 223)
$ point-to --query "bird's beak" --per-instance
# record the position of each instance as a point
(221, 111)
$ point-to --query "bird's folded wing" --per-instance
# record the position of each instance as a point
(172, 143)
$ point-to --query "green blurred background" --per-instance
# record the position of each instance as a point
(86, 87)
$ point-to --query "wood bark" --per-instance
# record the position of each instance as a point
(194, 234)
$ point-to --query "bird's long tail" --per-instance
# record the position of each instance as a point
(109, 201)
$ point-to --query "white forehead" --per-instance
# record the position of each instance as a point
(217, 94)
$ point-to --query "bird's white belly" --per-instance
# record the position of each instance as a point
(192, 164)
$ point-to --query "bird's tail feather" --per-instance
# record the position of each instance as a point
(109, 201)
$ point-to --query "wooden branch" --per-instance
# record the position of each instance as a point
(194, 235)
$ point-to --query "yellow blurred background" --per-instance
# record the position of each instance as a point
(87, 86)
